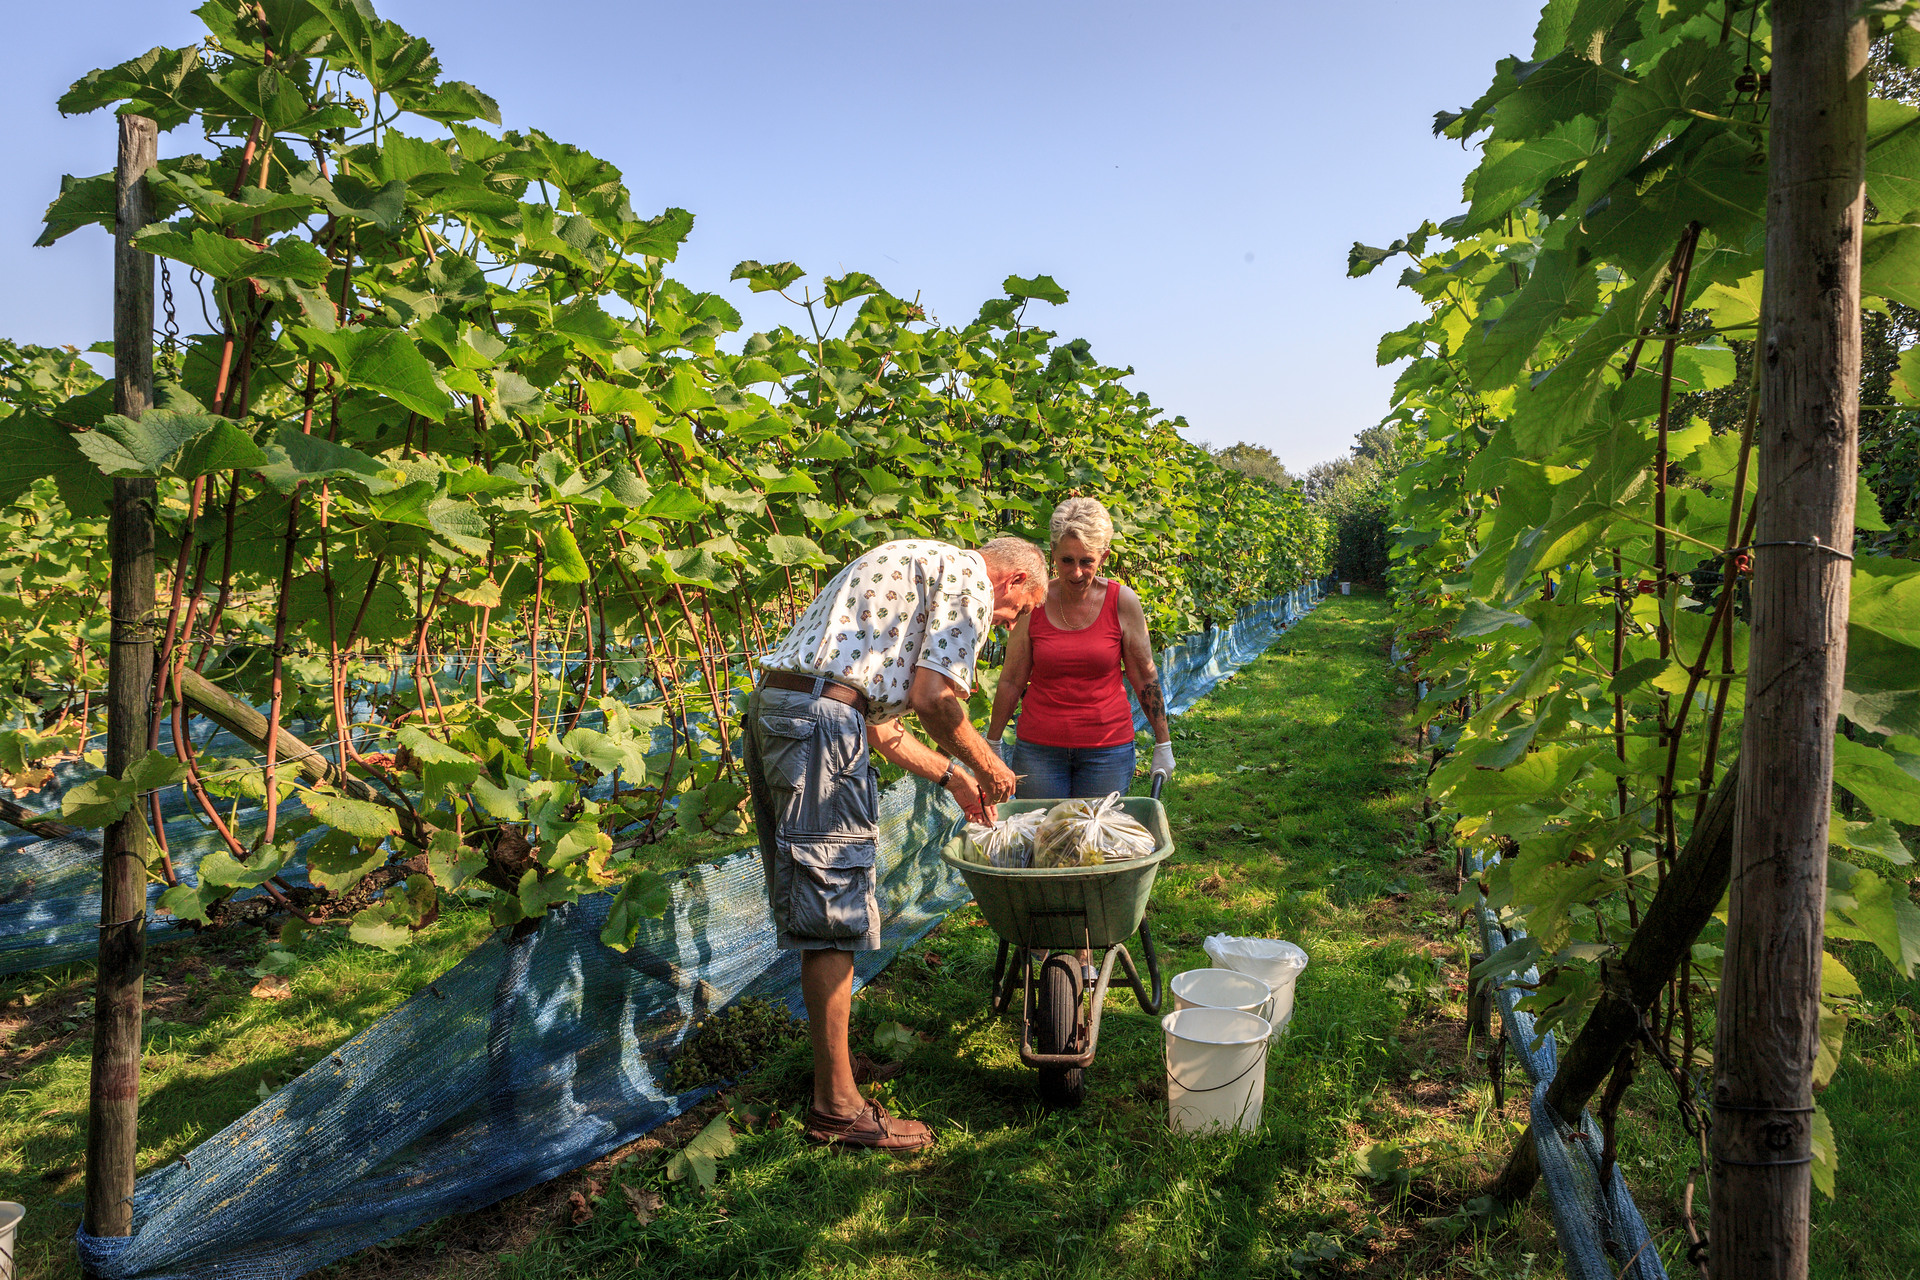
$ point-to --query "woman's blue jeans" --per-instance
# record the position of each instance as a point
(1060, 773)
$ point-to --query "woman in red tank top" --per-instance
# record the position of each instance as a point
(1065, 665)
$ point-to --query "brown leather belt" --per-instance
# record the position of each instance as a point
(804, 684)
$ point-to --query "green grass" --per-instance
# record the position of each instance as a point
(1295, 812)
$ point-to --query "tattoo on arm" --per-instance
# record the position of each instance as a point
(1153, 702)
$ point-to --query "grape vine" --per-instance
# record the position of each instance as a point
(1575, 514)
(457, 478)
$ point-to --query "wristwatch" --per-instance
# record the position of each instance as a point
(948, 775)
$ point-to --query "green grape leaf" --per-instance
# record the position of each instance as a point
(1877, 838)
(792, 549)
(1692, 76)
(1893, 158)
(1043, 288)
(1886, 783)
(337, 861)
(451, 863)
(97, 802)
(223, 448)
(660, 237)
(377, 926)
(1482, 620)
(646, 895)
(288, 258)
(1560, 286)
(32, 447)
(762, 279)
(1826, 1152)
(361, 818)
(190, 902)
(219, 869)
(1518, 173)
(634, 402)
(122, 446)
(295, 458)
(840, 290)
(563, 559)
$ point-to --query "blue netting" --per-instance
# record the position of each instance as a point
(524, 1061)
(533, 1057)
(1592, 1222)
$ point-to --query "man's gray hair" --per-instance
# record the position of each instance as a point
(1085, 519)
(1017, 555)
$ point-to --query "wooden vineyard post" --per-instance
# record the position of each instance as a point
(113, 1100)
(1769, 1012)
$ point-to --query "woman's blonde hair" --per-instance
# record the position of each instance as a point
(1085, 519)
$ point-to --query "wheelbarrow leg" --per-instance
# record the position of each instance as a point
(1149, 1004)
(1006, 976)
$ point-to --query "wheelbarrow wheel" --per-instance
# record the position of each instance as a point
(1056, 1026)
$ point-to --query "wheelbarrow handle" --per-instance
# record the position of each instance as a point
(1159, 780)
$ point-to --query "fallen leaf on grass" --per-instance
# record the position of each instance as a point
(699, 1158)
(272, 987)
(580, 1203)
(646, 1204)
(896, 1036)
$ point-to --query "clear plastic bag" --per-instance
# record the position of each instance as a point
(1087, 833)
(1005, 844)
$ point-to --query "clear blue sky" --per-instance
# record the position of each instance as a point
(1192, 173)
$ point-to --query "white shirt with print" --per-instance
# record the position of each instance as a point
(900, 605)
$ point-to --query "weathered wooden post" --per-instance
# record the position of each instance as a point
(113, 1100)
(1769, 1013)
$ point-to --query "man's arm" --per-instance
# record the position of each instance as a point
(894, 742)
(935, 698)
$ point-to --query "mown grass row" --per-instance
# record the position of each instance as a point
(1295, 812)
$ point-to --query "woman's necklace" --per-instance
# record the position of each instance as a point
(1078, 615)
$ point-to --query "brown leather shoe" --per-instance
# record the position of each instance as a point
(873, 1127)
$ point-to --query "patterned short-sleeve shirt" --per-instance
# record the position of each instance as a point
(900, 605)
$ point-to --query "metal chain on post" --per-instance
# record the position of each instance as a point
(169, 324)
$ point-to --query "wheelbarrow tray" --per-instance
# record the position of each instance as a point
(1062, 908)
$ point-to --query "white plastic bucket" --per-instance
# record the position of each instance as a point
(1346, 588)
(10, 1215)
(1222, 989)
(1273, 961)
(1216, 1068)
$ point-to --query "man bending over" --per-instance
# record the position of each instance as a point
(897, 630)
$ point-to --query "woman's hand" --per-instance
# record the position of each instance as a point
(1162, 759)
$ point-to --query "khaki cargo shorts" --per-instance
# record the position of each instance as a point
(816, 808)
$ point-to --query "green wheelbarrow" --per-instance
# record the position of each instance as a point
(1061, 915)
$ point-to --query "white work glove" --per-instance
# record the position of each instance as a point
(1005, 749)
(1162, 759)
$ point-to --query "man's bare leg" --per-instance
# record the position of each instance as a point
(826, 982)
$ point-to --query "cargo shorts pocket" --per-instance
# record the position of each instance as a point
(831, 889)
(786, 748)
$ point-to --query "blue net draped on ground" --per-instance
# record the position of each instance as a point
(531, 1058)
(1591, 1221)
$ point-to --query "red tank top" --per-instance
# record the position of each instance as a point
(1074, 696)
